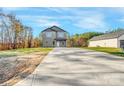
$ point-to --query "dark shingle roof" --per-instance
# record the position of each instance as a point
(54, 28)
(108, 36)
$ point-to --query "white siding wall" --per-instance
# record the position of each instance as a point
(104, 43)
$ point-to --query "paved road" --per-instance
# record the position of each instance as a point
(76, 67)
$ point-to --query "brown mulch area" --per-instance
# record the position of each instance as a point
(14, 69)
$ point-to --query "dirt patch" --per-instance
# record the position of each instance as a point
(14, 69)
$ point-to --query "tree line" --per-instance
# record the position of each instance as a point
(13, 34)
(82, 40)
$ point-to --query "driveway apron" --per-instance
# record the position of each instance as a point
(77, 67)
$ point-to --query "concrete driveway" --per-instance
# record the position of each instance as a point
(76, 67)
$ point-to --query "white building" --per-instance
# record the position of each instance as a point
(114, 39)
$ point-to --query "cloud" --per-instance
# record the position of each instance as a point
(40, 21)
(61, 9)
(81, 18)
(93, 22)
(84, 19)
(120, 10)
(121, 20)
(12, 9)
(47, 23)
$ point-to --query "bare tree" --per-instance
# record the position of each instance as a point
(13, 34)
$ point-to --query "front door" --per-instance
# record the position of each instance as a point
(58, 43)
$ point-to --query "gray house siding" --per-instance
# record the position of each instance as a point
(54, 38)
(48, 42)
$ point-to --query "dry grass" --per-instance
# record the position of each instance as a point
(25, 66)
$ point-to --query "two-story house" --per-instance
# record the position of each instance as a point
(54, 37)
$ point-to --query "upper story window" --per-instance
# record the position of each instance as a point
(61, 34)
(48, 34)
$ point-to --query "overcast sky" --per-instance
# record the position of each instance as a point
(73, 20)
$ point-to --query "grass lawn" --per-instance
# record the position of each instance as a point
(114, 51)
(22, 51)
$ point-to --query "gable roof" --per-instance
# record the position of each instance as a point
(54, 28)
(108, 36)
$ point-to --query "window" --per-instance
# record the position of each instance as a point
(53, 42)
(62, 42)
(48, 34)
(60, 34)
